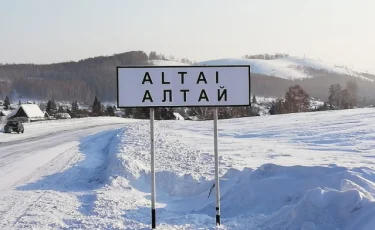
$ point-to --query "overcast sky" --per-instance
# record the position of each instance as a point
(45, 31)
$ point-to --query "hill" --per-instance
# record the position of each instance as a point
(271, 78)
(85, 79)
(80, 80)
(291, 68)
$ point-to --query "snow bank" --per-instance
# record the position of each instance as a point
(130, 164)
(269, 197)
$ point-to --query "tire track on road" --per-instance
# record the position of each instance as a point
(22, 206)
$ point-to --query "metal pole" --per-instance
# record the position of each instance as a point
(153, 212)
(217, 185)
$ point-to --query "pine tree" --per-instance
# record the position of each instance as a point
(110, 111)
(53, 105)
(96, 107)
(166, 114)
(61, 109)
(144, 113)
(129, 112)
(7, 103)
(49, 106)
(74, 107)
(157, 114)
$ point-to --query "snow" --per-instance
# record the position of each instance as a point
(310, 180)
(166, 63)
(11, 113)
(291, 68)
(178, 116)
(292, 171)
(46, 128)
(32, 110)
(63, 115)
(5, 112)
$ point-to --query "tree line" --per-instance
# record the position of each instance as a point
(82, 80)
(297, 100)
(265, 56)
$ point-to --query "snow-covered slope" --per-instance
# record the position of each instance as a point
(288, 67)
(165, 63)
(291, 68)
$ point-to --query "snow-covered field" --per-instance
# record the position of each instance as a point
(294, 171)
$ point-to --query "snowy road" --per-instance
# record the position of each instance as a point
(40, 162)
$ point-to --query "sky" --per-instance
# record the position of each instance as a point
(45, 31)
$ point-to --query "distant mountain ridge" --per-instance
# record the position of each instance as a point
(87, 78)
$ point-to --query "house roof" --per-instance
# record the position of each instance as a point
(178, 116)
(5, 112)
(12, 113)
(32, 110)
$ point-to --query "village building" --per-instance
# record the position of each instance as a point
(5, 113)
(27, 112)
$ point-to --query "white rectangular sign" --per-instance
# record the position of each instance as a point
(183, 86)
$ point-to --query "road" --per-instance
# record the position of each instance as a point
(44, 160)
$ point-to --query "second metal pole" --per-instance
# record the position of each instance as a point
(217, 185)
(153, 212)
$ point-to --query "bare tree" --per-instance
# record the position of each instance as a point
(334, 96)
(296, 100)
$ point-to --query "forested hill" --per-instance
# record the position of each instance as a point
(82, 80)
(85, 79)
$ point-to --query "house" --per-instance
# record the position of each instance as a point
(46, 115)
(62, 116)
(192, 118)
(178, 116)
(119, 113)
(5, 113)
(29, 112)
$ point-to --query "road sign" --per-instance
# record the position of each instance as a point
(183, 86)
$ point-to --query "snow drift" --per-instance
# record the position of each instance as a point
(269, 197)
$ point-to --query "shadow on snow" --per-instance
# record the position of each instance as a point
(83, 176)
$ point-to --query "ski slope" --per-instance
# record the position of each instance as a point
(293, 171)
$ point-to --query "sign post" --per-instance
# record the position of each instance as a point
(153, 211)
(183, 86)
(217, 184)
